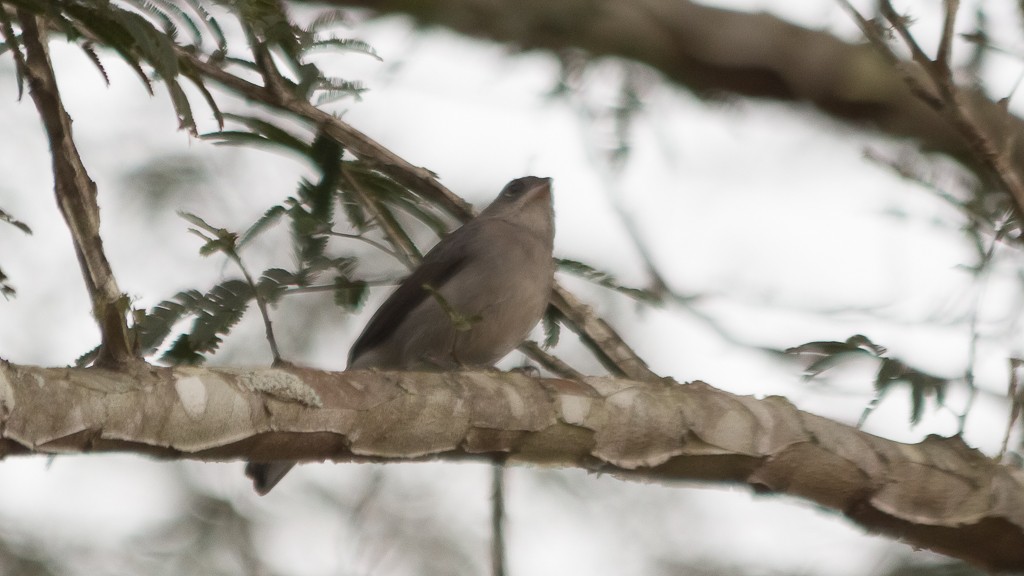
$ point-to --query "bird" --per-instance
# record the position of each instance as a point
(475, 296)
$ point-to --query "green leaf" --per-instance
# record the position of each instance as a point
(197, 81)
(269, 218)
(109, 33)
(90, 52)
(219, 239)
(347, 44)
(181, 106)
(211, 24)
(354, 211)
(170, 29)
(157, 323)
(87, 358)
(891, 373)
(164, 8)
(349, 294)
(827, 362)
(12, 43)
(326, 153)
(181, 353)
(394, 194)
(327, 19)
(308, 234)
(332, 90)
(604, 279)
(5, 217)
(220, 309)
(154, 46)
(262, 132)
(6, 289)
(273, 283)
(855, 343)
(552, 327)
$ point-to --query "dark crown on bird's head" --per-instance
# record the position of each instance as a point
(518, 186)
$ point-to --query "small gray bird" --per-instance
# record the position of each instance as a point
(475, 297)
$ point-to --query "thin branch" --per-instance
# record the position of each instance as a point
(549, 362)
(951, 102)
(332, 287)
(942, 58)
(984, 267)
(899, 23)
(1014, 394)
(76, 197)
(369, 241)
(261, 303)
(870, 30)
(498, 554)
(404, 248)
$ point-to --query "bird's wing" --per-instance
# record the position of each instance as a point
(438, 266)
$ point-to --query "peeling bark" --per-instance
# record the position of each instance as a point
(939, 494)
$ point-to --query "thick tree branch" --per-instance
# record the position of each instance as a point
(76, 196)
(718, 52)
(938, 494)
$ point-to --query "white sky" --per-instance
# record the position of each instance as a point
(769, 210)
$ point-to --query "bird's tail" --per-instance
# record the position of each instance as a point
(266, 475)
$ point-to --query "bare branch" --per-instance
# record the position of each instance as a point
(981, 125)
(76, 197)
(498, 554)
(942, 58)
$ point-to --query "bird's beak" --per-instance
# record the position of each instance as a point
(541, 191)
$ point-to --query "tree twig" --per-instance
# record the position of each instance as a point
(76, 197)
(498, 554)
(950, 101)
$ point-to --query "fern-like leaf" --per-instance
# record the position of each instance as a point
(12, 43)
(327, 19)
(274, 282)
(110, 33)
(182, 353)
(552, 327)
(156, 324)
(347, 44)
(211, 24)
(90, 52)
(186, 121)
(6, 288)
(153, 46)
(604, 279)
(269, 218)
(200, 84)
(5, 217)
(220, 310)
(349, 294)
(195, 31)
(262, 133)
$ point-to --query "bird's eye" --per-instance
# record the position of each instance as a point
(515, 188)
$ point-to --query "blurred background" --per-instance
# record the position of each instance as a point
(762, 223)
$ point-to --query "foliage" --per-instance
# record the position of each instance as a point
(891, 373)
(6, 289)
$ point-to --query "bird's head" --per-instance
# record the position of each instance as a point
(525, 202)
